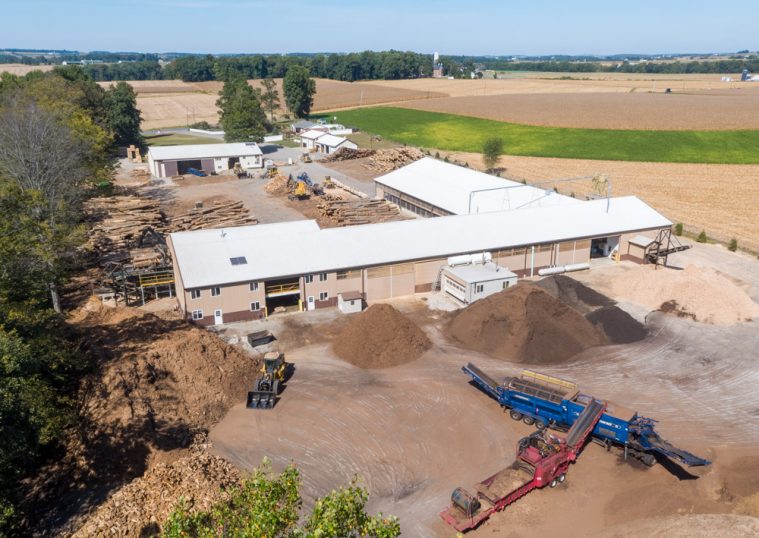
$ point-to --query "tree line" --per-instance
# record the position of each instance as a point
(675, 67)
(350, 67)
(58, 134)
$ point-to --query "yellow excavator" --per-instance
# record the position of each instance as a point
(274, 371)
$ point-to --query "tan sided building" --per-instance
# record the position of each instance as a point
(244, 273)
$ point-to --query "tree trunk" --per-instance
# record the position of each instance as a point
(55, 298)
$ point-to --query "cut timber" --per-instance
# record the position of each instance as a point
(352, 212)
(217, 216)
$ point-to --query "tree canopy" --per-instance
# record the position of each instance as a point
(123, 117)
(270, 505)
(299, 89)
(491, 152)
(241, 117)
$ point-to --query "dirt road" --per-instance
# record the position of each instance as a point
(416, 431)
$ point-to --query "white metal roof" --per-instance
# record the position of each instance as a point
(480, 272)
(207, 151)
(312, 134)
(641, 241)
(296, 248)
(331, 140)
(455, 188)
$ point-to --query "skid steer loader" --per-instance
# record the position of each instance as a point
(273, 372)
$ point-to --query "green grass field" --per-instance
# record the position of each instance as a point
(461, 133)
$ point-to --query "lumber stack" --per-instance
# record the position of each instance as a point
(222, 215)
(348, 154)
(122, 220)
(352, 212)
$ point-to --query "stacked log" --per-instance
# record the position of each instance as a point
(353, 212)
(387, 160)
(348, 154)
(122, 220)
(224, 215)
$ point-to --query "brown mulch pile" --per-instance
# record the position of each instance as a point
(524, 324)
(380, 337)
(158, 382)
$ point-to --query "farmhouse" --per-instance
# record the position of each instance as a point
(301, 125)
(166, 161)
(247, 272)
(429, 187)
(330, 143)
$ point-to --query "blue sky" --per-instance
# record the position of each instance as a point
(450, 27)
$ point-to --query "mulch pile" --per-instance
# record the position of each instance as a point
(545, 322)
(139, 508)
(380, 337)
(618, 326)
(524, 324)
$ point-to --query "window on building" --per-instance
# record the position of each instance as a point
(323, 296)
(197, 314)
(505, 285)
(215, 292)
(479, 288)
(309, 278)
(255, 305)
(240, 260)
(254, 286)
(194, 294)
(322, 277)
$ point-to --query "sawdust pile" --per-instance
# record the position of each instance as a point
(139, 508)
(380, 337)
(703, 294)
(524, 324)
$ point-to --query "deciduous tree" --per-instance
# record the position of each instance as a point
(491, 152)
(123, 116)
(242, 117)
(299, 90)
(270, 96)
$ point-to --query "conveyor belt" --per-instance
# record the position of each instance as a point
(487, 383)
(585, 423)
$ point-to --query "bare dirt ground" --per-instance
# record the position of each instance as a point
(720, 199)
(607, 110)
(415, 431)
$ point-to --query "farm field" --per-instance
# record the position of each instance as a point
(23, 69)
(720, 199)
(714, 110)
(461, 133)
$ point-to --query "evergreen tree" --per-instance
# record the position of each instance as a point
(299, 90)
(242, 117)
(123, 117)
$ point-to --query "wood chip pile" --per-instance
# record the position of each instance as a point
(223, 215)
(122, 220)
(387, 160)
(146, 502)
(352, 212)
(277, 185)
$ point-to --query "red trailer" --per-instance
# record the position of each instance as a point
(542, 460)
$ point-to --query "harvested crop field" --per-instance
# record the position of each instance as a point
(720, 199)
(380, 337)
(23, 69)
(608, 110)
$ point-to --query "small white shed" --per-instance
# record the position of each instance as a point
(330, 143)
(350, 302)
(471, 282)
(308, 138)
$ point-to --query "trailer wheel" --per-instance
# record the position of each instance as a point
(516, 415)
(540, 425)
(553, 483)
(562, 477)
(528, 420)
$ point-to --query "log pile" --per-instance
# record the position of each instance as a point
(277, 185)
(348, 154)
(122, 221)
(353, 212)
(387, 160)
(220, 215)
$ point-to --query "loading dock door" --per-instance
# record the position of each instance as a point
(182, 166)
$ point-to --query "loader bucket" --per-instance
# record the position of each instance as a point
(261, 399)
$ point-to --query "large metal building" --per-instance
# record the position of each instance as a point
(167, 161)
(248, 272)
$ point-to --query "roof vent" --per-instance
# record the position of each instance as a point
(240, 260)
